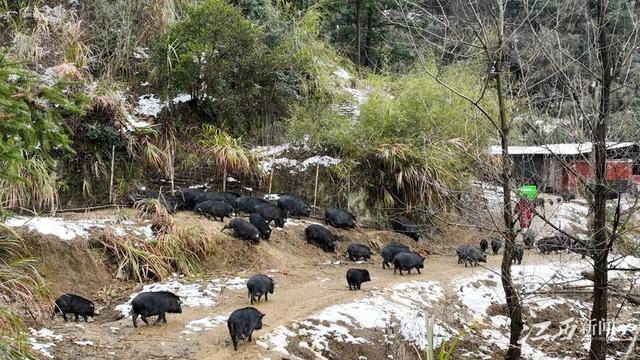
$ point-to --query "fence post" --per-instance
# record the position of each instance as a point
(270, 180)
(173, 170)
(113, 156)
(315, 191)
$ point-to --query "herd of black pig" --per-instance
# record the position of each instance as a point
(262, 213)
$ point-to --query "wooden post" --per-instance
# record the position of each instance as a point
(113, 157)
(173, 170)
(315, 191)
(270, 180)
(224, 179)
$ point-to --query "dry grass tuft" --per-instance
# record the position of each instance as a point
(136, 259)
(67, 70)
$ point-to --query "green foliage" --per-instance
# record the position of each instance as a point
(13, 343)
(31, 115)
(20, 283)
(217, 55)
(411, 139)
(446, 351)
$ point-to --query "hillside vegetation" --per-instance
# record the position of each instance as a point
(380, 107)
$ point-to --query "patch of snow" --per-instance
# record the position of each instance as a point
(345, 81)
(272, 150)
(343, 74)
(70, 229)
(558, 149)
(64, 229)
(45, 333)
(403, 304)
(235, 283)
(477, 296)
(36, 343)
(180, 98)
(278, 339)
(573, 217)
(200, 186)
(84, 343)
(49, 76)
(205, 323)
(492, 194)
(320, 160)
(232, 179)
(499, 321)
(41, 347)
(140, 53)
(135, 123)
(149, 105)
(296, 166)
(271, 197)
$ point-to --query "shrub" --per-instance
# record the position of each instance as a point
(217, 55)
(32, 130)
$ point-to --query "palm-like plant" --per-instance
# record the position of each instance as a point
(410, 176)
(226, 152)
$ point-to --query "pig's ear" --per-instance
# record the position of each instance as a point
(262, 315)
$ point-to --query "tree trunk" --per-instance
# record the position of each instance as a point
(511, 294)
(358, 32)
(598, 348)
(367, 36)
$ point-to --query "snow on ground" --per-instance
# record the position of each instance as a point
(273, 157)
(194, 294)
(135, 123)
(273, 150)
(203, 324)
(67, 229)
(407, 306)
(482, 289)
(84, 343)
(296, 166)
(492, 194)
(271, 197)
(141, 52)
(180, 98)
(572, 217)
(402, 304)
(277, 340)
(42, 340)
(149, 105)
(346, 83)
(479, 291)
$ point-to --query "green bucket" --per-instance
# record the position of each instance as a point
(528, 192)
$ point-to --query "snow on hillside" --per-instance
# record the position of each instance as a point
(67, 229)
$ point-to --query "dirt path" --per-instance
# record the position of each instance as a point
(301, 292)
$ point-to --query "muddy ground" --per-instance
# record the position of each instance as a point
(308, 280)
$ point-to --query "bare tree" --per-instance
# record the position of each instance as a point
(583, 81)
(612, 42)
(485, 21)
